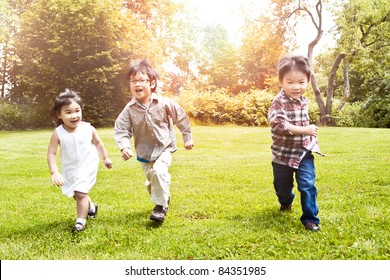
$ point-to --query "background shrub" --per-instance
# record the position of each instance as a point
(349, 116)
(11, 116)
(217, 106)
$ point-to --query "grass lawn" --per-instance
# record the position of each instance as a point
(223, 203)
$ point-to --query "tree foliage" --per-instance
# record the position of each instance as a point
(219, 60)
(83, 45)
(71, 44)
(363, 29)
(49, 45)
(262, 45)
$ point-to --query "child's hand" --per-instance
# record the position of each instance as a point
(107, 163)
(57, 179)
(189, 145)
(127, 154)
(312, 130)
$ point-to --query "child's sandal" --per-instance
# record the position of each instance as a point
(92, 214)
(78, 227)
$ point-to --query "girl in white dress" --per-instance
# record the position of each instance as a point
(79, 148)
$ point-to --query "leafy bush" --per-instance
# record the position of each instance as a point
(349, 116)
(376, 110)
(11, 116)
(218, 106)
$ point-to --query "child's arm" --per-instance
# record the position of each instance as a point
(100, 148)
(127, 153)
(56, 177)
(189, 144)
(310, 130)
(182, 122)
(280, 122)
(123, 134)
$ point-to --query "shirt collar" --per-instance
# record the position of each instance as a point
(153, 97)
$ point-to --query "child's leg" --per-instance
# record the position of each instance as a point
(283, 183)
(158, 179)
(82, 202)
(306, 178)
(91, 205)
(147, 167)
(93, 209)
(82, 205)
(161, 180)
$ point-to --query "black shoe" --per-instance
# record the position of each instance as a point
(284, 208)
(312, 226)
(91, 214)
(159, 213)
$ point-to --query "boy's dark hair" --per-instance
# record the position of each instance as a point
(291, 62)
(64, 98)
(144, 67)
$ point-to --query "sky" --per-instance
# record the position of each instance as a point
(230, 13)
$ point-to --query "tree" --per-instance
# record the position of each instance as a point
(157, 17)
(363, 29)
(183, 51)
(10, 12)
(6, 23)
(331, 83)
(292, 10)
(363, 35)
(81, 45)
(261, 44)
(218, 57)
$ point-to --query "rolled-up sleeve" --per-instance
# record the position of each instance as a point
(180, 119)
(123, 129)
(278, 119)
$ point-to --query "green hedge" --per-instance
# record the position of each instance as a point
(11, 116)
(217, 106)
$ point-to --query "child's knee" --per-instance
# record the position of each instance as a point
(159, 172)
(80, 196)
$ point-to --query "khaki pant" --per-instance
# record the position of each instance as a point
(158, 179)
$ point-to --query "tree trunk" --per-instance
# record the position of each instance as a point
(324, 118)
(4, 67)
(347, 91)
(331, 83)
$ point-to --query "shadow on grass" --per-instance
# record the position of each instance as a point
(270, 220)
(142, 218)
(62, 229)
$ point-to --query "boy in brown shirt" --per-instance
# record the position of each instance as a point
(150, 119)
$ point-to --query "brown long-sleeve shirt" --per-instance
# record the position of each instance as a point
(152, 127)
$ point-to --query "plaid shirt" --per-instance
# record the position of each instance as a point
(151, 127)
(287, 148)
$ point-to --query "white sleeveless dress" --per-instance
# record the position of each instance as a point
(79, 159)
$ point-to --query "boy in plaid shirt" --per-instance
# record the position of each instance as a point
(294, 140)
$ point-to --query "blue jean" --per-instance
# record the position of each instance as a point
(305, 177)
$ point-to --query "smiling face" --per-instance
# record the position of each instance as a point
(141, 87)
(294, 84)
(70, 115)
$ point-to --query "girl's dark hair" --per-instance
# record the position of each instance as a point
(291, 62)
(64, 98)
(144, 67)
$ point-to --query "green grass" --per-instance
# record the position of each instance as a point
(223, 203)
